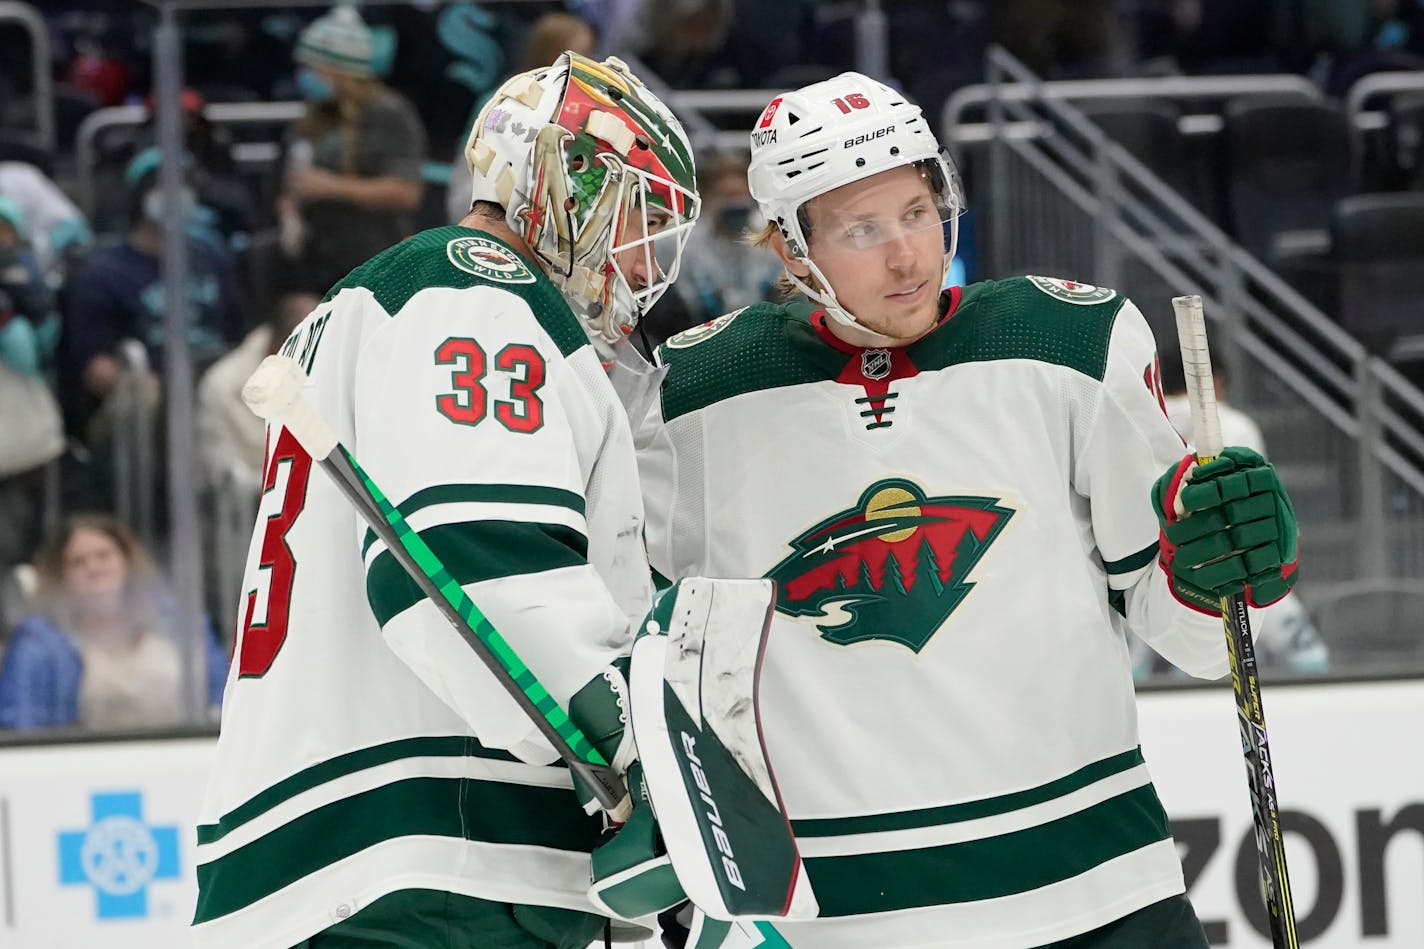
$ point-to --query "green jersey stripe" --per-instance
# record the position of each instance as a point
(483, 493)
(342, 765)
(471, 552)
(1132, 561)
(489, 811)
(990, 867)
(971, 810)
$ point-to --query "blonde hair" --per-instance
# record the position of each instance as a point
(765, 238)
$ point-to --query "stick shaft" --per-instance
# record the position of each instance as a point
(275, 393)
(1241, 652)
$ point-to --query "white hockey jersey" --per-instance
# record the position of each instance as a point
(364, 746)
(955, 528)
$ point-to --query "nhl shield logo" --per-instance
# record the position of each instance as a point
(893, 567)
(875, 363)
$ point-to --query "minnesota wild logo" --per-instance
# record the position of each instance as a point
(485, 258)
(892, 567)
(1070, 291)
(691, 337)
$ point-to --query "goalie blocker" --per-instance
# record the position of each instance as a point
(695, 667)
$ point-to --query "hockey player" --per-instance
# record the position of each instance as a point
(373, 785)
(955, 493)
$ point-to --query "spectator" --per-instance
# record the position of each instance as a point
(55, 225)
(551, 35)
(101, 652)
(29, 414)
(28, 331)
(230, 438)
(118, 294)
(353, 175)
(214, 173)
(721, 271)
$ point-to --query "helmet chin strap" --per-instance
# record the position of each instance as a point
(869, 339)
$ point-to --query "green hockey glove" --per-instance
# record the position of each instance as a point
(632, 875)
(600, 710)
(1226, 527)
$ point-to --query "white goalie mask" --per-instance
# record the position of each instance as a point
(832, 133)
(589, 164)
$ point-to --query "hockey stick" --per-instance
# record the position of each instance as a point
(1270, 848)
(274, 392)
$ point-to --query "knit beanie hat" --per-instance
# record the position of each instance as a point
(338, 40)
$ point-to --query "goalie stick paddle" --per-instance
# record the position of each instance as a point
(1250, 716)
(274, 392)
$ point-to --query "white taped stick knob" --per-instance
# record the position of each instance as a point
(274, 392)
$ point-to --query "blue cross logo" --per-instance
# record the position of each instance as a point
(118, 854)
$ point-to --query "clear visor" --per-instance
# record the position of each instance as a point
(884, 212)
(849, 232)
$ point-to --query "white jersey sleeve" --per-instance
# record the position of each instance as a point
(1129, 443)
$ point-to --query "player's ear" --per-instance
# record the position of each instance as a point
(796, 266)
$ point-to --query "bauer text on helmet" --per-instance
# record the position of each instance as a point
(834, 133)
(596, 174)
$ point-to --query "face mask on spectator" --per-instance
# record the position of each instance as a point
(314, 86)
(735, 218)
(153, 208)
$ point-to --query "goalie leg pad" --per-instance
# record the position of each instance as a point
(694, 715)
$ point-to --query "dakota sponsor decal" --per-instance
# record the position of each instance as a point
(1070, 291)
(487, 259)
(706, 331)
(892, 568)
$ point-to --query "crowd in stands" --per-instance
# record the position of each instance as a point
(389, 95)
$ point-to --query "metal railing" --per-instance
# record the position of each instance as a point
(135, 405)
(1055, 195)
(41, 83)
(101, 121)
(1180, 89)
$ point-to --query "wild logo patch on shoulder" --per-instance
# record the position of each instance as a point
(1070, 291)
(489, 260)
(706, 331)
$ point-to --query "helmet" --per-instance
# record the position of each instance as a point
(832, 133)
(583, 156)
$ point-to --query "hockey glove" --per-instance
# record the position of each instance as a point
(1226, 527)
(632, 875)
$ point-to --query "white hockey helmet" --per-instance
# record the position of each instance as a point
(576, 152)
(832, 133)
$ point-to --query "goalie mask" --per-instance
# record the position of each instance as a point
(589, 164)
(832, 133)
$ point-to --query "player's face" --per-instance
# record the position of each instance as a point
(637, 261)
(94, 564)
(880, 246)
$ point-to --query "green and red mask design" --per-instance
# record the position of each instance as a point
(660, 151)
(893, 567)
